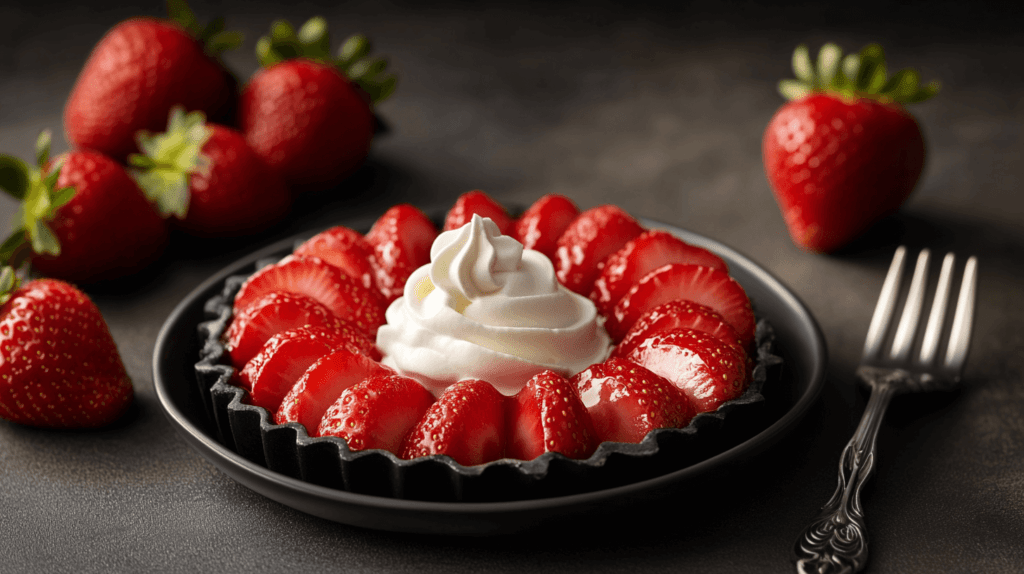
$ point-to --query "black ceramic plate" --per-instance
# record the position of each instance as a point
(798, 341)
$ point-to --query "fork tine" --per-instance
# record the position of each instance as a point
(930, 343)
(886, 305)
(963, 318)
(904, 338)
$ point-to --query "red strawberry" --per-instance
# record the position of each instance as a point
(696, 283)
(86, 222)
(540, 226)
(547, 416)
(310, 117)
(215, 185)
(479, 203)
(587, 241)
(279, 311)
(641, 255)
(843, 153)
(347, 250)
(466, 423)
(401, 241)
(627, 401)
(708, 370)
(138, 71)
(343, 295)
(321, 385)
(674, 315)
(377, 412)
(59, 366)
(284, 358)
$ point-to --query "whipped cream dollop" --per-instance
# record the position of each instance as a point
(486, 308)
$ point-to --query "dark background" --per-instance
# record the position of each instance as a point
(658, 107)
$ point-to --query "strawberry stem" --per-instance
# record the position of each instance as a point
(214, 38)
(163, 171)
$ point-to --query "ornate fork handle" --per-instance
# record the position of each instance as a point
(837, 542)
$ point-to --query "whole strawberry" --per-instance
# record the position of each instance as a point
(82, 218)
(208, 178)
(139, 70)
(843, 153)
(59, 366)
(307, 114)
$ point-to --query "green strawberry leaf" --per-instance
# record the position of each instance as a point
(14, 176)
(315, 39)
(793, 89)
(8, 283)
(170, 159)
(179, 11)
(43, 240)
(61, 197)
(353, 48)
(43, 148)
(223, 41)
(803, 68)
(829, 58)
(282, 30)
(11, 245)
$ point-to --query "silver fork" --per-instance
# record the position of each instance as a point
(837, 539)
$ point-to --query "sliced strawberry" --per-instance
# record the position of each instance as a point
(279, 311)
(707, 369)
(284, 358)
(627, 401)
(641, 255)
(347, 250)
(322, 384)
(478, 203)
(377, 412)
(540, 226)
(401, 241)
(547, 416)
(311, 276)
(677, 314)
(696, 283)
(587, 241)
(467, 423)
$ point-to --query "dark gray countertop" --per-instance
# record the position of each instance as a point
(660, 110)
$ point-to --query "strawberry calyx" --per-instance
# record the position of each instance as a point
(214, 38)
(169, 159)
(36, 189)
(313, 41)
(860, 75)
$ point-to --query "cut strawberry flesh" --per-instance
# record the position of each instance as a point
(540, 226)
(708, 370)
(347, 250)
(587, 241)
(322, 384)
(641, 255)
(401, 241)
(313, 277)
(627, 401)
(674, 315)
(477, 202)
(467, 423)
(547, 416)
(709, 287)
(377, 412)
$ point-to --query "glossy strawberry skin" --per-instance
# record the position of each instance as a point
(695, 283)
(540, 226)
(837, 166)
(308, 122)
(467, 423)
(477, 202)
(641, 255)
(587, 241)
(310, 276)
(547, 416)
(401, 240)
(108, 229)
(347, 250)
(59, 365)
(674, 315)
(377, 412)
(279, 311)
(708, 370)
(322, 384)
(626, 401)
(238, 195)
(141, 68)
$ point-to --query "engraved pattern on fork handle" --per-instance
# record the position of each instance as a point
(836, 541)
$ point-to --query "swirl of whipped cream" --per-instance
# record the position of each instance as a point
(485, 308)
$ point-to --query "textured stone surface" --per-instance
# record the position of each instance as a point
(658, 108)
